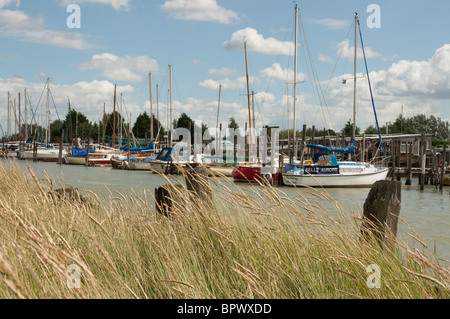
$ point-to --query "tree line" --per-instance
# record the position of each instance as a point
(77, 125)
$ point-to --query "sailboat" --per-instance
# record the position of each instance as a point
(253, 170)
(324, 170)
(43, 152)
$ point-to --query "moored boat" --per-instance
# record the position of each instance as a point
(326, 171)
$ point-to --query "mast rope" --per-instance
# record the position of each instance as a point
(371, 93)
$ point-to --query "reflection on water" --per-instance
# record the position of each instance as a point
(426, 212)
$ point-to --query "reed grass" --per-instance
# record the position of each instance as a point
(252, 243)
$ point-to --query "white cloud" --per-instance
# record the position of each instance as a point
(257, 43)
(227, 84)
(199, 10)
(5, 3)
(222, 71)
(127, 68)
(324, 58)
(86, 97)
(430, 78)
(277, 73)
(19, 25)
(116, 4)
(332, 24)
(344, 50)
(422, 87)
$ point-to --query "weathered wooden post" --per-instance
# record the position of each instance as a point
(313, 140)
(35, 147)
(167, 197)
(363, 159)
(399, 157)
(128, 144)
(61, 148)
(394, 159)
(423, 159)
(444, 159)
(381, 211)
(410, 158)
(302, 149)
(88, 147)
(198, 185)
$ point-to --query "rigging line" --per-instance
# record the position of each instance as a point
(57, 114)
(318, 88)
(279, 57)
(1, 127)
(371, 93)
(339, 57)
(34, 112)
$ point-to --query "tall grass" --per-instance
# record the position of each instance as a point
(251, 243)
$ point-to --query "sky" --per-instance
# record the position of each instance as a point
(119, 42)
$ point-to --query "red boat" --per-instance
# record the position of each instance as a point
(253, 172)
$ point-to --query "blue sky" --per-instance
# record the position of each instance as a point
(121, 41)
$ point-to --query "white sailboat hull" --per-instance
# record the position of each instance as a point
(43, 155)
(139, 166)
(338, 180)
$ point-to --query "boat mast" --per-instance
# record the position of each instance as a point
(104, 124)
(114, 116)
(121, 120)
(26, 117)
(9, 117)
(151, 106)
(248, 98)
(168, 117)
(171, 124)
(295, 83)
(20, 124)
(354, 77)
(217, 123)
(47, 135)
(157, 110)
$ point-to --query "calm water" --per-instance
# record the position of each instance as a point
(427, 212)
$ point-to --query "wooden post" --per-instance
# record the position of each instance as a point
(60, 161)
(128, 144)
(433, 179)
(394, 159)
(313, 140)
(423, 158)
(303, 145)
(35, 159)
(198, 185)
(88, 147)
(444, 159)
(399, 161)
(167, 197)
(381, 211)
(364, 149)
(410, 158)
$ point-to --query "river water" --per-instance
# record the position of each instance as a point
(427, 212)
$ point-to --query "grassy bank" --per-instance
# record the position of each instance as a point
(255, 243)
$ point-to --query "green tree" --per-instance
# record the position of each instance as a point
(233, 123)
(348, 129)
(184, 121)
(142, 126)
